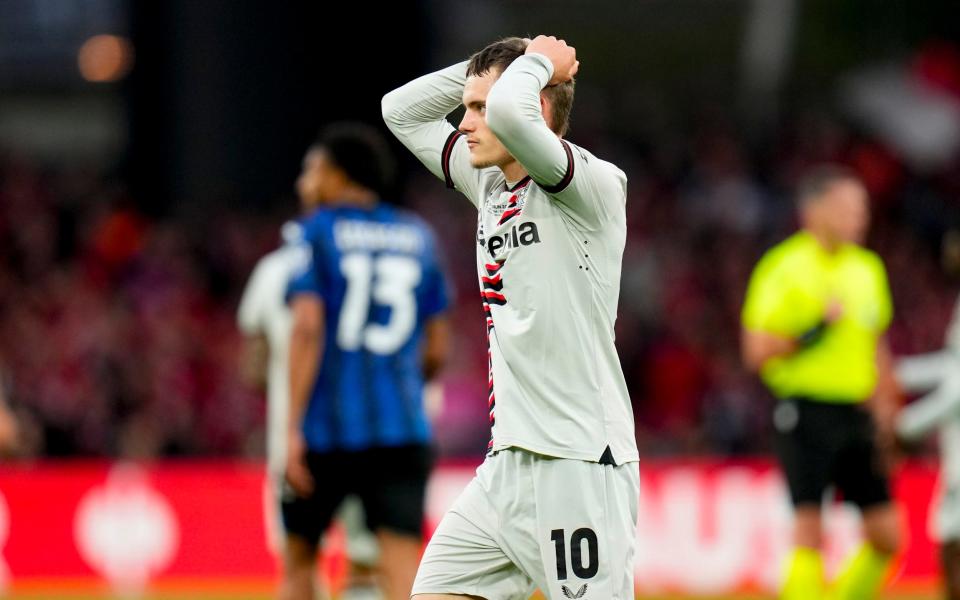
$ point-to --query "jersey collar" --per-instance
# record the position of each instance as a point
(520, 184)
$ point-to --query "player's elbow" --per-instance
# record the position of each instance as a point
(390, 109)
(751, 361)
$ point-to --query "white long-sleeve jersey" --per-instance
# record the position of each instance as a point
(549, 250)
(938, 373)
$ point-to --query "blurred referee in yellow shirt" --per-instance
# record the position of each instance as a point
(814, 317)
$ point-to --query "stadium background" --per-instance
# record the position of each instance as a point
(142, 175)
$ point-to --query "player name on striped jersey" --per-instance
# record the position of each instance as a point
(365, 235)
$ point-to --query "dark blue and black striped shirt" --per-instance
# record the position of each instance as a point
(380, 280)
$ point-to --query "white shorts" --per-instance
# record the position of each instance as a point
(528, 521)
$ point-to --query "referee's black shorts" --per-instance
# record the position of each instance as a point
(824, 443)
(390, 483)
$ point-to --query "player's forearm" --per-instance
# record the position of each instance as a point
(923, 372)
(436, 346)
(306, 337)
(516, 118)
(424, 101)
(304, 366)
(929, 412)
(416, 113)
(759, 347)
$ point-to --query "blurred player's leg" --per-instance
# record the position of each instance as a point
(305, 517)
(394, 501)
(862, 478)
(805, 453)
(950, 556)
(804, 572)
(361, 542)
(272, 519)
(393, 491)
(299, 568)
(863, 575)
(400, 558)
(363, 552)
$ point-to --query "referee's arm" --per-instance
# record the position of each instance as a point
(757, 347)
(764, 334)
(768, 317)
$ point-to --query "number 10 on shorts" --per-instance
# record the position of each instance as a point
(582, 571)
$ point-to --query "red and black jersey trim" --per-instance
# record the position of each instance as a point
(496, 298)
(494, 283)
(567, 177)
(446, 154)
(513, 209)
(519, 184)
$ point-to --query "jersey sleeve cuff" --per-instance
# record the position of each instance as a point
(539, 66)
(567, 176)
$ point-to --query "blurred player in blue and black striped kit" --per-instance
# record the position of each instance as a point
(368, 330)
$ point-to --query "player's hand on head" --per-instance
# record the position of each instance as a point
(297, 473)
(563, 57)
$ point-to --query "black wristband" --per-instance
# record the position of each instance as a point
(813, 335)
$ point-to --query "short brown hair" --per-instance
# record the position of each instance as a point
(816, 181)
(500, 54)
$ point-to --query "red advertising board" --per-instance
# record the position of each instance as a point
(134, 526)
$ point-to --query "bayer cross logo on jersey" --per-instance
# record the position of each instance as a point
(571, 594)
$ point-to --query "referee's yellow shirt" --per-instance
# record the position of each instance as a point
(789, 292)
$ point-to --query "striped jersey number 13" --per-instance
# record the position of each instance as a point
(388, 280)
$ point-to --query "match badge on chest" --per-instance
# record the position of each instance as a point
(507, 205)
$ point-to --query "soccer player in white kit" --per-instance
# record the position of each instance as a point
(938, 374)
(265, 320)
(554, 505)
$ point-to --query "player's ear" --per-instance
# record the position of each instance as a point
(338, 178)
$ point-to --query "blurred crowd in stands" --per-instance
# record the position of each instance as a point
(117, 334)
(118, 337)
